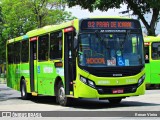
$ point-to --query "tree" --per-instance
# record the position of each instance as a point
(17, 20)
(139, 8)
(2, 50)
(49, 11)
(21, 16)
(1, 14)
(34, 14)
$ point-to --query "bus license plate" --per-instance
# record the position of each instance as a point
(117, 91)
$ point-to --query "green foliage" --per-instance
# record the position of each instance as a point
(21, 16)
(1, 14)
(139, 8)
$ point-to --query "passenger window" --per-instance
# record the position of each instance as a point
(146, 54)
(156, 51)
(56, 45)
(10, 49)
(43, 43)
(25, 51)
(17, 47)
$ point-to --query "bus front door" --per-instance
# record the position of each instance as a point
(33, 65)
(69, 62)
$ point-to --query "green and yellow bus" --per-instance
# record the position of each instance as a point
(152, 61)
(99, 57)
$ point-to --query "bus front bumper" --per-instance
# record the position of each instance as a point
(85, 91)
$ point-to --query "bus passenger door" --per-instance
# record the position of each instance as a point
(155, 63)
(147, 64)
(69, 60)
(33, 64)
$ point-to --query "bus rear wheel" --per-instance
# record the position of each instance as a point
(115, 101)
(61, 97)
(24, 94)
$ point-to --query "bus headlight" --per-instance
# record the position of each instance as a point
(91, 83)
(83, 79)
(87, 81)
(141, 80)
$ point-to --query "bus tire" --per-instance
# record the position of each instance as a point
(24, 94)
(115, 101)
(61, 98)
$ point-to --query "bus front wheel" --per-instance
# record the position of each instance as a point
(61, 97)
(24, 94)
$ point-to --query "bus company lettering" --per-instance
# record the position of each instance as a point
(103, 82)
(131, 80)
(47, 70)
(95, 61)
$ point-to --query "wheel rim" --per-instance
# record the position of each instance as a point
(23, 90)
(61, 95)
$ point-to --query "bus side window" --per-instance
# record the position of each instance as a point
(43, 43)
(56, 45)
(10, 53)
(146, 54)
(25, 51)
(146, 58)
(17, 46)
(156, 51)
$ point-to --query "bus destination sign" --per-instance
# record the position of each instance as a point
(107, 24)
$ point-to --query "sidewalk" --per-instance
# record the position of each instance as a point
(2, 80)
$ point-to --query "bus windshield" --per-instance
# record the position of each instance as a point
(110, 50)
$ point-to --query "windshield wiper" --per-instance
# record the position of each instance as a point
(126, 38)
(101, 39)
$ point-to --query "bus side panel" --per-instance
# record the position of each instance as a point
(155, 71)
(46, 77)
(26, 75)
(147, 74)
(11, 82)
(17, 76)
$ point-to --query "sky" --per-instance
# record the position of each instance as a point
(78, 12)
(83, 13)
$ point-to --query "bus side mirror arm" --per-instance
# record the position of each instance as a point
(75, 43)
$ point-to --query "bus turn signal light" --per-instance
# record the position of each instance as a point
(147, 43)
(58, 64)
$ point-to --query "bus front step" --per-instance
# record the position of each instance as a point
(34, 94)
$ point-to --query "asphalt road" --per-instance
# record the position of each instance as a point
(10, 101)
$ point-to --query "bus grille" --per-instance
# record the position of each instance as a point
(113, 71)
(108, 89)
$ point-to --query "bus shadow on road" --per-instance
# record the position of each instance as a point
(98, 104)
(44, 100)
(91, 103)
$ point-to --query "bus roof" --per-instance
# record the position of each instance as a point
(151, 39)
(43, 30)
(49, 28)
(18, 39)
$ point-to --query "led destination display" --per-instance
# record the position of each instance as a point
(108, 24)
